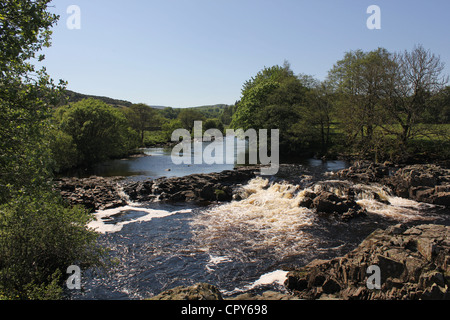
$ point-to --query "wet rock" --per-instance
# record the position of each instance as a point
(425, 183)
(365, 171)
(96, 193)
(266, 295)
(200, 291)
(421, 182)
(193, 188)
(414, 264)
(329, 203)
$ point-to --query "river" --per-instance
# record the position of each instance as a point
(242, 246)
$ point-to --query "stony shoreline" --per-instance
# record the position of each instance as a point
(100, 193)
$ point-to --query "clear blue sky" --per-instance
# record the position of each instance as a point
(183, 53)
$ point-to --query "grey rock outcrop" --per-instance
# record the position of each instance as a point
(96, 193)
(414, 264)
(193, 188)
(421, 182)
(424, 183)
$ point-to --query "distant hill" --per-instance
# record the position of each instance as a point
(75, 97)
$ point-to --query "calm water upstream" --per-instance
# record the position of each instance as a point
(240, 246)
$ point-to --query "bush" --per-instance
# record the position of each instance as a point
(39, 239)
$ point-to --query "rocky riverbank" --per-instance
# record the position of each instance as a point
(219, 186)
(100, 193)
(414, 264)
(421, 182)
(94, 193)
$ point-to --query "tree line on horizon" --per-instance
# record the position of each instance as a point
(373, 105)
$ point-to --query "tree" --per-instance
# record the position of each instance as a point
(385, 98)
(39, 239)
(142, 118)
(272, 100)
(26, 95)
(213, 124)
(438, 109)
(99, 131)
(227, 115)
(319, 110)
(39, 235)
(416, 78)
(170, 113)
(361, 80)
(187, 118)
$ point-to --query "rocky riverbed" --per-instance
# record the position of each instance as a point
(100, 193)
(414, 261)
(423, 183)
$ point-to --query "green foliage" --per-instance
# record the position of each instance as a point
(39, 239)
(63, 149)
(381, 96)
(25, 96)
(227, 115)
(98, 131)
(187, 117)
(272, 100)
(170, 113)
(142, 118)
(213, 124)
(39, 236)
(211, 112)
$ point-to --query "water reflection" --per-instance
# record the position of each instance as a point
(157, 162)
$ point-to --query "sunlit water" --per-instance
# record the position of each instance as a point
(241, 246)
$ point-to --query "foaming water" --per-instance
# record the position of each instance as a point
(113, 220)
(245, 245)
(401, 210)
(268, 218)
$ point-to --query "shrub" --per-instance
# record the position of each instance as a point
(39, 239)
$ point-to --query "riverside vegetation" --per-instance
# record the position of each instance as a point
(373, 105)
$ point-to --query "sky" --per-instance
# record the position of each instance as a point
(185, 53)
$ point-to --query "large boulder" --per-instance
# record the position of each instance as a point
(326, 202)
(424, 183)
(95, 193)
(199, 291)
(365, 171)
(414, 263)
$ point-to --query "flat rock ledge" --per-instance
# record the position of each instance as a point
(94, 193)
(414, 264)
(100, 193)
(220, 186)
(199, 291)
(204, 291)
